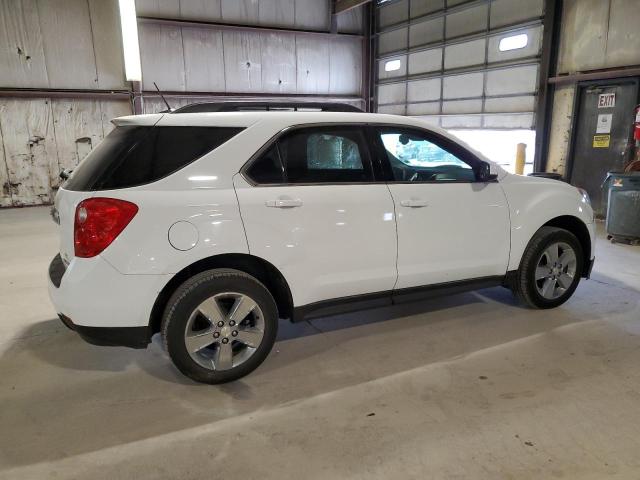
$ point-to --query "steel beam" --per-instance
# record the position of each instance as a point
(604, 74)
(60, 93)
(368, 59)
(254, 95)
(340, 6)
(175, 22)
(247, 97)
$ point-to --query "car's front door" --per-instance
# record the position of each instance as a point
(311, 208)
(450, 226)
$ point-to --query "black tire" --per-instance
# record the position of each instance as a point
(524, 284)
(195, 291)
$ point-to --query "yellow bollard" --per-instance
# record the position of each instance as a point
(521, 156)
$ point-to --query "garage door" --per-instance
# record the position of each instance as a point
(460, 64)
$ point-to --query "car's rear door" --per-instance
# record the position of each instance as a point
(450, 227)
(311, 208)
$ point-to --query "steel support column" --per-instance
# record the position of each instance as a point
(546, 90)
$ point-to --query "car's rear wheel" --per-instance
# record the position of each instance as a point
(550, 269)
(219, 325)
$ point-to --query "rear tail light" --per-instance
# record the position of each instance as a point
(98, 222)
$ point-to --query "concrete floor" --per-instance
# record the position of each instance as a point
(469, 386)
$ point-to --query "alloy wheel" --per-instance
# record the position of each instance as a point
(555, 270)
(224, 331)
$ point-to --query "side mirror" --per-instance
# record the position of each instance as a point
(484, 173)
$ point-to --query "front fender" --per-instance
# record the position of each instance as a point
(533, 202)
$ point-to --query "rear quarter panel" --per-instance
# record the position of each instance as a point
(535, 201)
(144, 248)
(201, 194)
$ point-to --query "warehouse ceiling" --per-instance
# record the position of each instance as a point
(460, 64)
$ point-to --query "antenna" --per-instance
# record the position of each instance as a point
(169, 109)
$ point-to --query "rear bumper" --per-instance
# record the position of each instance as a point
(132, 337)
(104, 306)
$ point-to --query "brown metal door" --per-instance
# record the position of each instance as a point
(602, 134)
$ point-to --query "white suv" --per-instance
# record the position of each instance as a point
(211, 222)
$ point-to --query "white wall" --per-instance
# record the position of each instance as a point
(62, 44)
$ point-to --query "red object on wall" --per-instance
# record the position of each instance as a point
(636, 129)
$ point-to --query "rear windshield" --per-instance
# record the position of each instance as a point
(136, 155)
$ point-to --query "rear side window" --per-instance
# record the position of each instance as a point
(136, 155)
(267, 168)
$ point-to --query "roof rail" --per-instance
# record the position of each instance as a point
(265, 106)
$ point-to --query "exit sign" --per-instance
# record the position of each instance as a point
(607, 100)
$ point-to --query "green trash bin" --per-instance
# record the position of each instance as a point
(623, 206)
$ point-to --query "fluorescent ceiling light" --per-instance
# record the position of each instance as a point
(513, 42)
(392, 65)
(129, 27)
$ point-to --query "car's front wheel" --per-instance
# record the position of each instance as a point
(219, 325)
(550, 269)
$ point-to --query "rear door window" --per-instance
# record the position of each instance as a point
(333, 154)
(326, 155)
(137, 155)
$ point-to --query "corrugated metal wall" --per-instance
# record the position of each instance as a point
(206, 58)
(76, 44)
(54, 44)
(451, 70)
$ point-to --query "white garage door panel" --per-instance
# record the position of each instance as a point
(400, 72)
(519, 121)
(424, 90)
(392, 41)
(463, 86)
(525, 103)
(423, 7)
(392, 93)
(425, 61)
(426, 32)
(532, 49)
(512, 80)
(471, 20)
(462, 106)
(508, 12)
(428, 108)
(452, 71)
(462, 121)
(393, 13)
(435, 121)
(464, 54)
(392, 109)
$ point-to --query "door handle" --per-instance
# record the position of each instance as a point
(283, 203)
(414, 203)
